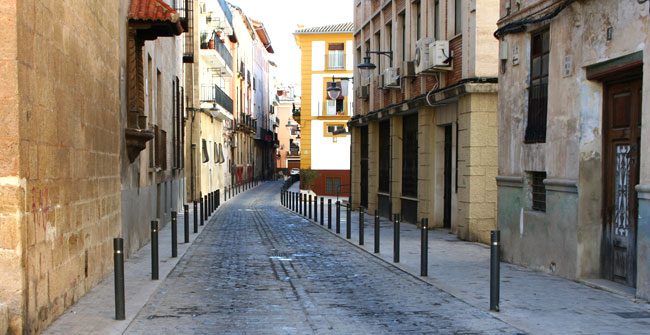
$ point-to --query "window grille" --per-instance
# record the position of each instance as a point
(410, 155)
(384, 156)
(538, 191)
(538, 92)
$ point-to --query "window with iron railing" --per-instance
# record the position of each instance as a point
(410, 156)
(384, 156)
(538, 91)
(538, 191)
(333, 185)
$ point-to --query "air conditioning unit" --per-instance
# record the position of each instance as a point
(422, 55)
(391, 77)
(363, 92)
(408, 68)
(439, 55)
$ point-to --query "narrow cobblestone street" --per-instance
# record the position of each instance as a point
(259, 269)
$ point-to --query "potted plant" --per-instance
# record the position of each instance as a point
(307, 178)
(204, 40)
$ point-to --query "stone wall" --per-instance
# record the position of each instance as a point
(59, 181)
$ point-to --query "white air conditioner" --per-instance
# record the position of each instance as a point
(391, 77)
(439, 55)
(422, 55)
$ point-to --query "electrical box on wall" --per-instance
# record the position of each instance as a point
(503, 50)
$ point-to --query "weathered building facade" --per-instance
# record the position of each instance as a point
(288, 131)
(326, 61)
(424, 134)
(152, 180)
(574, 172)
(76, 119)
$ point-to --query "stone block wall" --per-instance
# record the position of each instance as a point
(59, 178)
(478, 166)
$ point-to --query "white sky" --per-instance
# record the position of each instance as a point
(282, 17)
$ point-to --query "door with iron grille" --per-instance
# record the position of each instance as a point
(622, 123)
(410, 168)
(383, 194)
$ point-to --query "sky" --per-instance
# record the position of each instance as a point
(282, 17)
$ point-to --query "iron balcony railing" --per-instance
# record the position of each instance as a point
(214, 94)
(246, 120)
(335, 61)
(219, 47)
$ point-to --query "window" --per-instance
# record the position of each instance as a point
(333, 185)
(336, 56)
(378, 47)
(457, 17)
(538, 91)
(436, 17)
(333, 128)
(402, 23)
(217, 159)
(538, 190)
(410, 155)
(222, 157)
(335, 107)
(418, 20)
(206, 156)
(389, 43)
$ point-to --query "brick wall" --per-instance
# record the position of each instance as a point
(456, 47)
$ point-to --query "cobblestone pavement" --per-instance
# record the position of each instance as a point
(259, 269)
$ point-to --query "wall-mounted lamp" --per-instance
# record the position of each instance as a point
(367, 67)
(333, 90)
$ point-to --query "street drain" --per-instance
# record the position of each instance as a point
(633, 315)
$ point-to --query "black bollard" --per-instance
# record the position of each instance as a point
(396, 238)
(218, 198)
(230, 192)
(322, 211)
(348, 218)
(424, 248)
(329, 213)
(154, 250)
(361, 226)
(196, 218)
(205, 209)
(304, 205)
(118, 263)
(315, 208)
(201, 210)
(310, 207)
(174, 234)
(338, 217)
(186, 231)
(376, 231)
(300, 203)
(495, 264)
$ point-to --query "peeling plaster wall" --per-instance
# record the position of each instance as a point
(573, 148)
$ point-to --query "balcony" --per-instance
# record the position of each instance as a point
(215, 53)
(335, 110)
(246, 122)
(214, 95)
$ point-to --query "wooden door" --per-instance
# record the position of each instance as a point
(447, 172)
(622, 125)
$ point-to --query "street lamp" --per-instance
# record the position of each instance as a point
(333, 92)
(367, 67)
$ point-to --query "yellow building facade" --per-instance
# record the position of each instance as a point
(326, 61)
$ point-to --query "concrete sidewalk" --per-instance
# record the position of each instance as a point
(94, 313)
(532, 301)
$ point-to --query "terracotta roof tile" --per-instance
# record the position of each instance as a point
(152, 10)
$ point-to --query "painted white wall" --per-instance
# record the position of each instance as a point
(349, 56)
(318, 55)
(326, 154)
